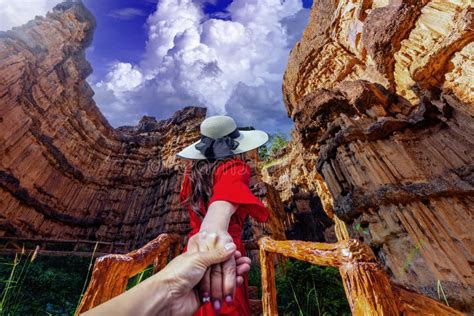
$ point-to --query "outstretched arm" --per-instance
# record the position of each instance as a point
(218, 216)
(171, 291)
(219, 282)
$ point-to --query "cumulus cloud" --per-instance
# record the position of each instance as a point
(232, 66)
(18, 12)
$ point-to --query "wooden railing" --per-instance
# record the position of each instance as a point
(61, 247)
(367, 286)
(111, 272)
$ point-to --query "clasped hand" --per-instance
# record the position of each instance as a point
(221, 280)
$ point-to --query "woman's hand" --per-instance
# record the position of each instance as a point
(184, 272)
(219, 282)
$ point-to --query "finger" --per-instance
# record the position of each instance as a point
(214, 256)
(205, 284)
(202, 235)
(242, 269)
(228, 282)
(216, 286)
(240, 280)
(237, 255)
(211, 240)
(196, 242)
(243, 260)
(201, 261)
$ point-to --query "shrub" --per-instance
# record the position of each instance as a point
(306, 289)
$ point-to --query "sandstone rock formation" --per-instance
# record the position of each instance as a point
(381, 93)
(303, 217)
(65, 173)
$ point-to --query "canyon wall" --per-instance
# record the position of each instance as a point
(382, 96)
(65, 173)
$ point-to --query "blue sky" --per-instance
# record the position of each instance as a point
(109, 44)
(154, 57)
(118, 37)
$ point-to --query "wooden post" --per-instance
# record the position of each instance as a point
(368, 289)
(269, 301)
(176, 249)
(367, 286)
(107, 281)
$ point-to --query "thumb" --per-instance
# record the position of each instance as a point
(215, 256)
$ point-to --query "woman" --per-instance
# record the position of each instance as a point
(216, 192)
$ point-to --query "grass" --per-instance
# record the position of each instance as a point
(306, 289)
(11, 291)
(41, 285)
(46, 285)
(140, 277)
(86, 280)
(441, 293)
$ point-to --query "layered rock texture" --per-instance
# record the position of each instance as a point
(382, 96)
(65, 173)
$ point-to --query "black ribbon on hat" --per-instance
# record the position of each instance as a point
(219, 147)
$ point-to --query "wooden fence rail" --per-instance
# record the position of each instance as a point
(367, 286)
(111, 273)
(61, 247)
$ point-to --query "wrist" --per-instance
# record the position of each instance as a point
(217, 218)
(213, 228)
(162, 300)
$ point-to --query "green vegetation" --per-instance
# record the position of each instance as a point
(41, 286)
(306, 289)
(277, 141)
(358, 228)
(140, 277)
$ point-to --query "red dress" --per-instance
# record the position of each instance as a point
(231, 183)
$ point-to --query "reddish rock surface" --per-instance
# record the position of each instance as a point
(65, 173)
(381, 96)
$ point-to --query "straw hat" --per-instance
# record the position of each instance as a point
(221, 138)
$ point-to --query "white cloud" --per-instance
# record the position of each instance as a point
(17, 12)
(126, 13)
(123, 77)
(231, 66)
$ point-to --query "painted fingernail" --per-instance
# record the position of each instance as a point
(228, 299)
(205, 294)
(230, 246)
(217, 305)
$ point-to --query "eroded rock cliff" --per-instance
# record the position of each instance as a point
(65, 173)
(381, 93)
